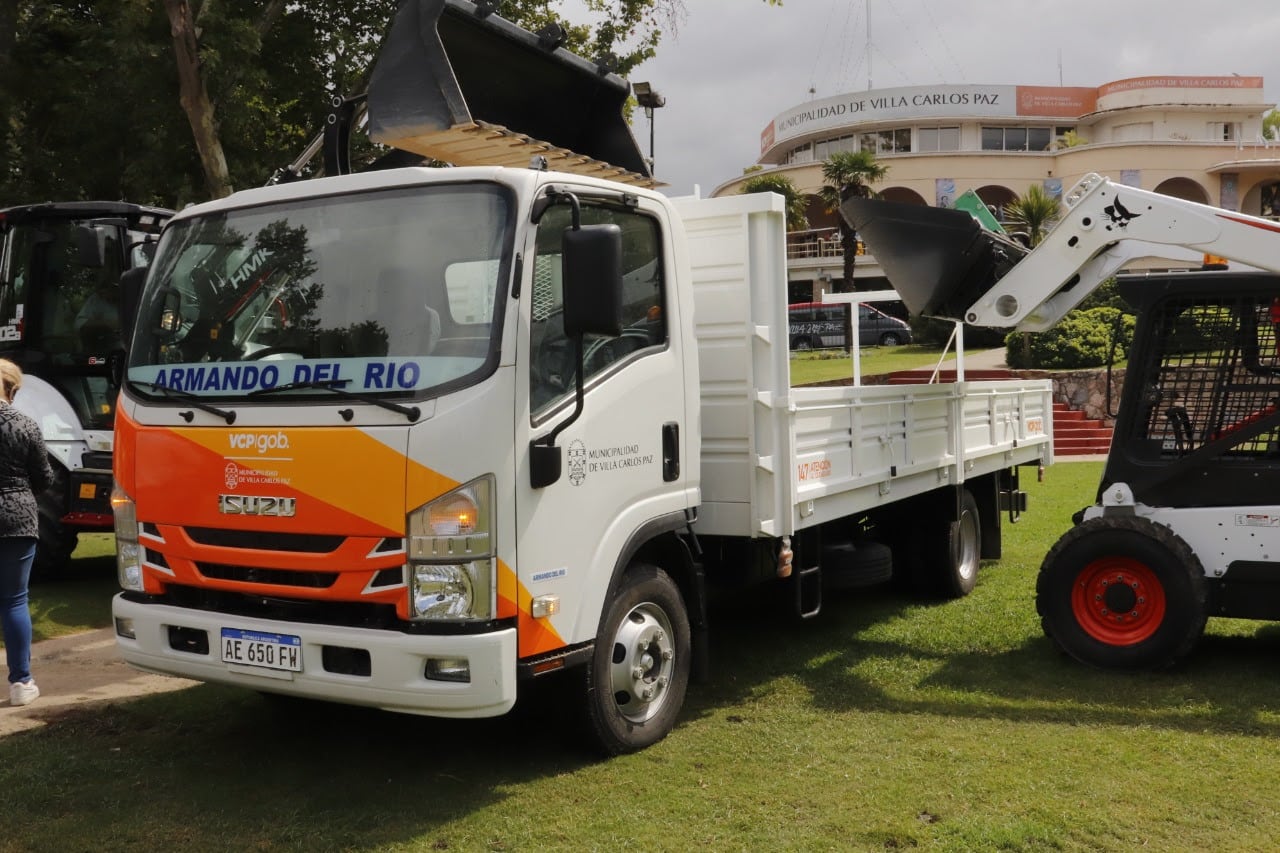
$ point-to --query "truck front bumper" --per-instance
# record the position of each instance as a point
(168, 640)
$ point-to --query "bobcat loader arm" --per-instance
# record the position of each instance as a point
(943, 263)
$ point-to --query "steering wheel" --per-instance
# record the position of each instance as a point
(555, 363)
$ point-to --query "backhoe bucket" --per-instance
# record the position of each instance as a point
(939, 260)
(457, 83)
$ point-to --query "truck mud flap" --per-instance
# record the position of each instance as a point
(940, 260)
(456, 82)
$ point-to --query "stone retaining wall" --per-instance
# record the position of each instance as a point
(1083, 390)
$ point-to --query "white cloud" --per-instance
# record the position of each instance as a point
(735, 64)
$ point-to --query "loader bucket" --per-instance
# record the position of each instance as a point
(939, 260)
(455, 82)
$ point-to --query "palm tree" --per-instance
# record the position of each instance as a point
(797, 215)
(1033, 213)
(848, 174)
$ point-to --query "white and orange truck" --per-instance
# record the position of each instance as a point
(410, 438)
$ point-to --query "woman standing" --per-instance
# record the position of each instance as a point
(24, 472)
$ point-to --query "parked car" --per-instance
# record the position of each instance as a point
(820, 325)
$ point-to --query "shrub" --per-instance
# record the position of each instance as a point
(1081, 339)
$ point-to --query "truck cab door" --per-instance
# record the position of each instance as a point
(621, 458)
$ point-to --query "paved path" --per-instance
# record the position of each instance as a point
(77, 671)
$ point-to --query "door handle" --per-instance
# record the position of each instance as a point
(670, 451)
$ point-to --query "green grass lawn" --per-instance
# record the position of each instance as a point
(884, 724)
(827, 365)
(78, 598)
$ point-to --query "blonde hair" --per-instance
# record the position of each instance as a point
(10, 377)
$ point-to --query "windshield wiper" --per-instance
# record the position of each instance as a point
(191, 399)
(331, 385)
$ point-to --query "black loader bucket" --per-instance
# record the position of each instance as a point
(939, 260)
(455, 82)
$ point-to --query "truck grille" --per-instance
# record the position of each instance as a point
(305, 543)
(275, 577)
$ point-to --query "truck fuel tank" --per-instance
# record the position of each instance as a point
(939, 260)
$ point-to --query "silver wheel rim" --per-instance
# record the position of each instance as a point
(643, 658)
(967, 567)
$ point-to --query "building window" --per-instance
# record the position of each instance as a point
(823, 150)
(1039, 138)
(1223, 131)
(803, 154)
(1016, 138)
(939, 139)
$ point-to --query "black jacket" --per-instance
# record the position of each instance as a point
(24, 473)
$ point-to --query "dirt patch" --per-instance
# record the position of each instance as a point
(80, 671)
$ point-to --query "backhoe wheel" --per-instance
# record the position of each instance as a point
(944, 556)
(1122, 592)
(637, 677)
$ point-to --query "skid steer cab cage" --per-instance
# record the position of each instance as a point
(457, 83)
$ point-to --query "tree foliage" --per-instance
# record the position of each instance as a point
(1271, 125)
(849, 174)
(141, 100)
(797, 215)
(1033, 213)
(1082, 339)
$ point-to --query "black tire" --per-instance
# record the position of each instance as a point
(1122, 592)
(638, 674)
(55, 541)
(890, 339)
(801, 345)
(943, 559)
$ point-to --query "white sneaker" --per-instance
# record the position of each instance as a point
(23, 692)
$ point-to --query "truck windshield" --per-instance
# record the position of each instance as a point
(59, 311)
(384, 293)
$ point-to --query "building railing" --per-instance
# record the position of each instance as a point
(817, 244)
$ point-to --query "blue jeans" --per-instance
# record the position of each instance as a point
(16, 555)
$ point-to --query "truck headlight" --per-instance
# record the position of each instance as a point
(452, 564)
(128, 551)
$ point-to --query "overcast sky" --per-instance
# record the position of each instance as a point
(735, 64)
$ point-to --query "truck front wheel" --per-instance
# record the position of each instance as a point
(1122, 592)
(637, 677)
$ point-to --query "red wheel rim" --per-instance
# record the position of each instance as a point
(1118, 601)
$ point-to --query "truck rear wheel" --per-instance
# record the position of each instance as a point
(1122, 592)
(55, 541)
(637, 677)
(943, 558)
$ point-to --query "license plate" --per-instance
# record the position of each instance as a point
(258, 648)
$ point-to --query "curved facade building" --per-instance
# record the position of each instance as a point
(1198, 138)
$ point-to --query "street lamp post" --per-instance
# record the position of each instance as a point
(648, 97)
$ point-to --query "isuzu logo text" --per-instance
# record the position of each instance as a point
(256, 505)
(259, 441)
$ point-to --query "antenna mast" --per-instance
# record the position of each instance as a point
(868, 10)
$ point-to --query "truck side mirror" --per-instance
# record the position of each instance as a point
(592, 280)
